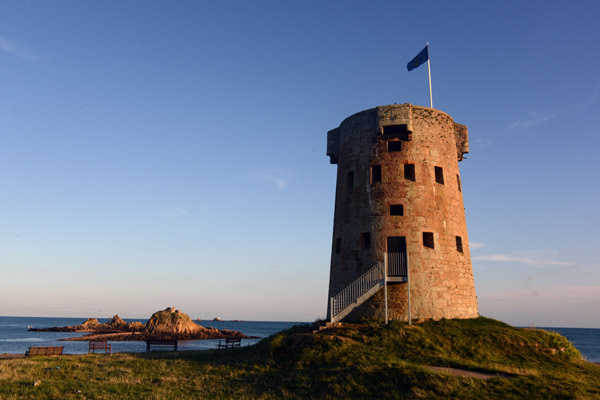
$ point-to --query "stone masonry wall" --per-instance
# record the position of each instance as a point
(441, 278)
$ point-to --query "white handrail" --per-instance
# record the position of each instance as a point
(397, 264)
(351, 293)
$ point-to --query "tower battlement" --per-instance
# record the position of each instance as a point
(399, 203)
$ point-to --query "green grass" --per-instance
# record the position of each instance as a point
(369, 360)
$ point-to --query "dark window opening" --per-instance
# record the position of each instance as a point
(459, 247)
(409, 172)
(428, 240)
(338, 245)
(439, 175)
(458, 180)
(350, 180)
(396, 131)
(365, 240)
(396, 209)
(394, 146)
(376, 174)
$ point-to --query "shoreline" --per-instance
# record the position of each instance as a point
(142, 337)
(167, 324)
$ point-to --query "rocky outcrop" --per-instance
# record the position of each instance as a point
(172, 322)
(168, 324)
(116, 324)
(90, 323)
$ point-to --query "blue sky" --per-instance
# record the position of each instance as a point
(156, 154)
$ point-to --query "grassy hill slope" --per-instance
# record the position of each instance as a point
(370, 360)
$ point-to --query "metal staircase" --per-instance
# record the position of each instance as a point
(394, 268)
(357, 292)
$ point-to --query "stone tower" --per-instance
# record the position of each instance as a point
(399, 206)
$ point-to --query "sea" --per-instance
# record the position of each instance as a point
(586, 340)
(16, 339)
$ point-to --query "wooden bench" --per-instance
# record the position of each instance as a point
(100, 345)
(44, 351)
(230, 342)
(155, 343)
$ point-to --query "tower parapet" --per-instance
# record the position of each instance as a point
(399, 202)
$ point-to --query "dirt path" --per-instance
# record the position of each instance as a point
(464, 372)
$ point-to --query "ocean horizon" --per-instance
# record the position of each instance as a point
(16, 339)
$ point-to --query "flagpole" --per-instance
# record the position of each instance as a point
(429, 69)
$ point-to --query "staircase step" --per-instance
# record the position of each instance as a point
(328, 325)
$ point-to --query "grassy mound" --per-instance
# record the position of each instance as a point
(369, 360)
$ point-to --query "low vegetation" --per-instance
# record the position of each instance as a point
(368, 360)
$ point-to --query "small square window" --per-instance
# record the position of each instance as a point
(396, 209)
(459, 246)
(350, 180)
(409, 172)
(376, 174)
(439, 175)
(365, 240)
(458, 181)
(395, 145)
(428, 240)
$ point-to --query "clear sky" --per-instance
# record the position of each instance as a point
(158, 154)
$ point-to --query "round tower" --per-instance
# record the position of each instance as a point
(399, 213)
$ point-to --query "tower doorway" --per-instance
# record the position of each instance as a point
(396, 256)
